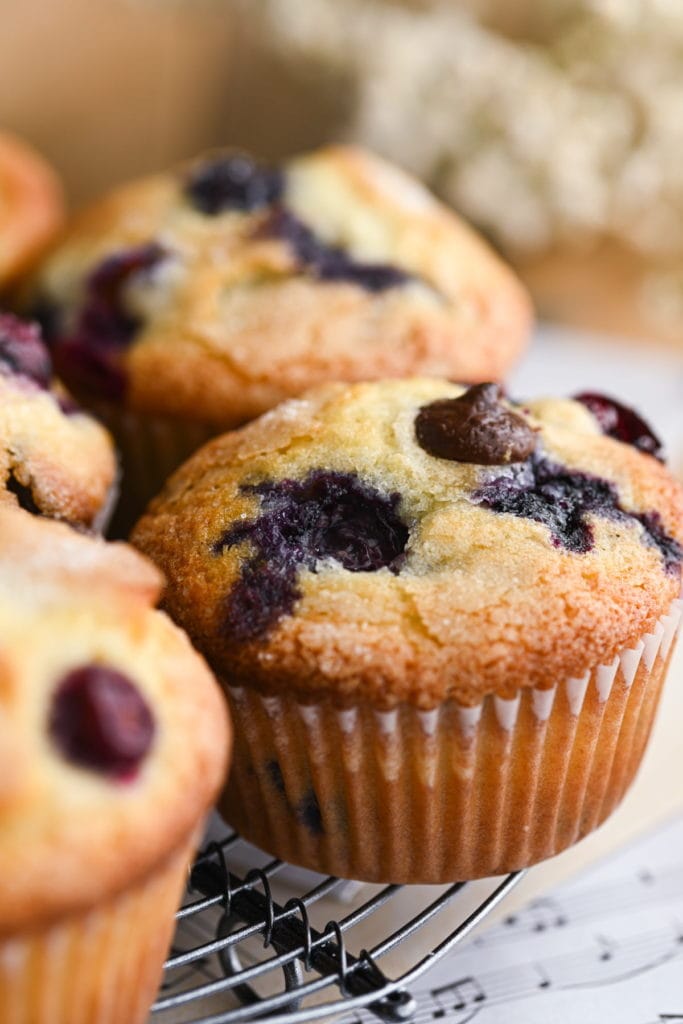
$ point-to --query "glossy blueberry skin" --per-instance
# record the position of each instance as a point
(99, 720)
(325, 516)
(621, 423)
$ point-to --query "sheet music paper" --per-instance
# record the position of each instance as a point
(605, 947)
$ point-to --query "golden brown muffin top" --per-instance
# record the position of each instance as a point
(415, 541)
(218, 289)
(55, 460)
(31, 206)
(113, 733)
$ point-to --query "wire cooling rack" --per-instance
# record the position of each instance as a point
(253, 943)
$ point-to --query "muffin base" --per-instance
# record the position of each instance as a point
(410, 796)
(102, 966)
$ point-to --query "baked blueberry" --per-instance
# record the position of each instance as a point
(100, 720)
(562, 498)
(301, 524)
(330, 262)
(233, 182)
(624, 424)
(22, 350)
(89, 354)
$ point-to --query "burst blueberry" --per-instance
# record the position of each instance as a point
(326, 516)
(562, 499)
(329, 262)
(90, 354)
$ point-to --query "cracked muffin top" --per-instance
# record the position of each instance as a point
(113, 732)
(55, 460)
(414, 540)
(31, 206)
(219, 289)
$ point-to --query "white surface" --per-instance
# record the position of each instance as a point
(606, 947)
(563, 362)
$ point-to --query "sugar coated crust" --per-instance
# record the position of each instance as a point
(31, 206)
(480, 601)
(70, 835)
(55, 459)
(233, 319)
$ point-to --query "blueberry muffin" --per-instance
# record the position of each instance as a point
(31, 206)
(113, 743)
(55, 460)
(442, 619)
(190, 302)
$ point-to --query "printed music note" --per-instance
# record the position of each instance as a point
(607, 948)
(458, 995)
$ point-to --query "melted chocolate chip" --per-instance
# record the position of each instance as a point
(90, 355)
(100, 720)
(302, 523)
(235, 182)
(561, 499)
(328, 262)
(22, 350)
(475, 427)
(620, 422)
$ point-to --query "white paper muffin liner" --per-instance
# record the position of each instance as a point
(101, 966)
(452, 793)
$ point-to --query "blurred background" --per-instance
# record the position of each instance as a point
(556, 126)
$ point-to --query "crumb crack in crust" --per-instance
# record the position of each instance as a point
(335, 266)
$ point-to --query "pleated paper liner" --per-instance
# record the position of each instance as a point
(102, 966)
(454, 793)
(150, 449)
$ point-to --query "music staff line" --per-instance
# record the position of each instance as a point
(607, 963)
(548, 913)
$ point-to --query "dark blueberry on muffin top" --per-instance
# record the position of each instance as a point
(330, 262)
(104, 326)
(327, 515)
(235, 182)
(22, 350)
(100, 720)
(620, 422)
(562, 498)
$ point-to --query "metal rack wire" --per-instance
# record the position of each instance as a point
(235, 932)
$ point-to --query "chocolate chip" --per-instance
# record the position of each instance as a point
(476, 427)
